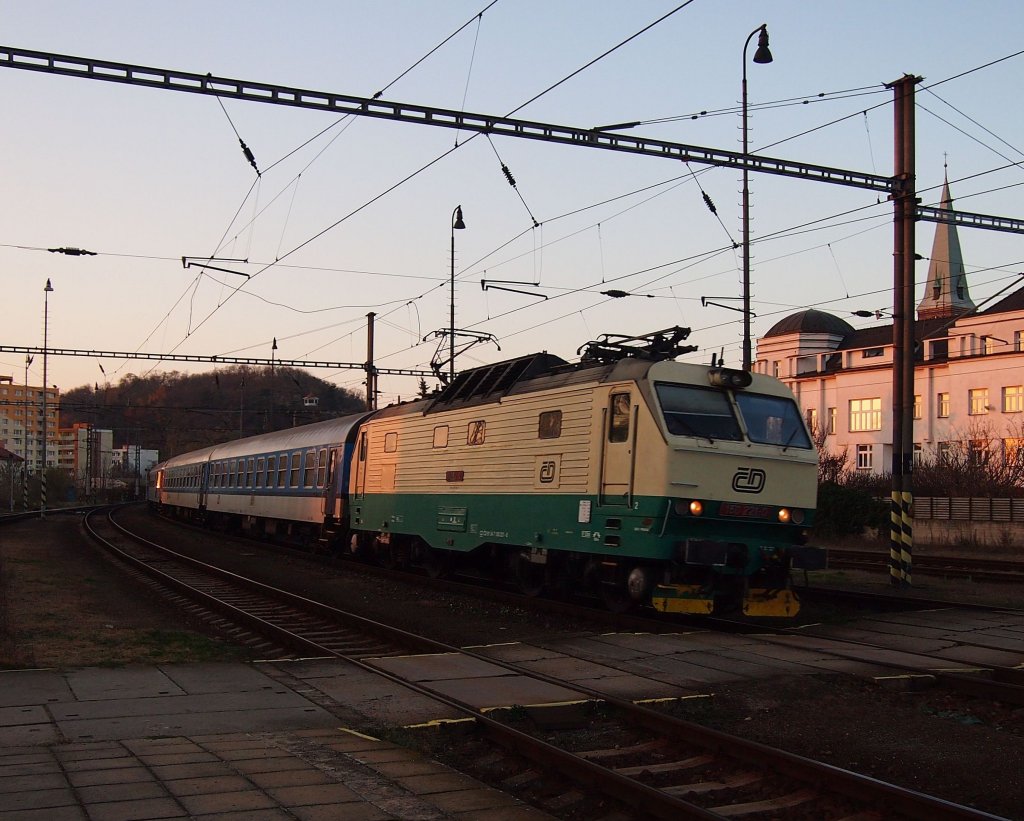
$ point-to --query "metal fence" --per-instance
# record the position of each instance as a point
(969, 508)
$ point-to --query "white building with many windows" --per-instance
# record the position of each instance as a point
(968, 375)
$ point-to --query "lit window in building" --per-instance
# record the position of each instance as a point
(918, 453)
(832, 420)
(1013, 451)
(917, 406)
(977, 401)
(1013, 399)
(943, 405)
(866, 414)
(865, 457)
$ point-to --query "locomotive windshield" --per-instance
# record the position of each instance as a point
(690, 410)
(694, 411)
(772, 420)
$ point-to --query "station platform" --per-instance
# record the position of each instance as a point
(211, 741)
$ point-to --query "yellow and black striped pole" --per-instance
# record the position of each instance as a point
(907, 533)
(896, 539)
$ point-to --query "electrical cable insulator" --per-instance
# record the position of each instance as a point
(72, 252)
(508, 175)
(708, 202)
(249, 156)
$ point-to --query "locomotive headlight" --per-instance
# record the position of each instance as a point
(784, 515)
(694, 507)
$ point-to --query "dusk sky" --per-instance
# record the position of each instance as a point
(144, 177)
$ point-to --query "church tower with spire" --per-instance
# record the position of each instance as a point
(945, 293)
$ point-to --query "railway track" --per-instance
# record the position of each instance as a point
(650, 763)
(997, 684)
(992, 570)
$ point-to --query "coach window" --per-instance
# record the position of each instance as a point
(390, 442)
(282, 470)
(260, 464)
(618, 428)
(549, 425)
(441, 436)
(231, 474)
(309, 474)
(477, 432)
(293, 480)
(240, 475)
(271, 470)
(321, 467)
(249, 472)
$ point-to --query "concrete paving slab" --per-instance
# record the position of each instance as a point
(504, 691)
(650, 644)
(102, 729)
(308, 668)
(1013, 645)
(437, 667)
(514, 653)
(571, 669)
(27, 714)
(634, 687)
(19, 687)
(126, 706)
(48, 814)
(126, 682)
(981, 656)
(219, 678)
(381, 700)
(598, 649)
(30, 734)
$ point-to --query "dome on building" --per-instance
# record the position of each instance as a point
(811, 321)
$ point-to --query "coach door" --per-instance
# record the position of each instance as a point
(618, 446)
(204, 483)
(333, 493)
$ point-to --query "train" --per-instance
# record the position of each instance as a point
(626, 475)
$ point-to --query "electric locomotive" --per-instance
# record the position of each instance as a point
(685, 487)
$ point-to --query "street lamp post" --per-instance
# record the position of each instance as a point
(46, 326)
(457, 223)
(24, 465)
(762, 55)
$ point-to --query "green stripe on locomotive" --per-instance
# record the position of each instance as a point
(649, 530)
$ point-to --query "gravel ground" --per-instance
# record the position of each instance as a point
(89, 613)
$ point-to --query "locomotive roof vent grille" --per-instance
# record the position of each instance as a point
(490, 382)
(653, 347)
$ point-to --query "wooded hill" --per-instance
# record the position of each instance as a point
(175, 412)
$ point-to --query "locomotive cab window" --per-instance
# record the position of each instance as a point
(618, 425)
(549, 425)
(390, 442)
(697, 411)
(773, 420)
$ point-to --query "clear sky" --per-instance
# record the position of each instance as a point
(144, 177)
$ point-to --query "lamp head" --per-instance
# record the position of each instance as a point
(762, 55)
(458, 223)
